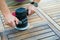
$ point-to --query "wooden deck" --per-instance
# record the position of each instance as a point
(40, 29)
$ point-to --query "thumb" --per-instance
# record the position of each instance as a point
(16, 21)
(13, 24)
(29, 11)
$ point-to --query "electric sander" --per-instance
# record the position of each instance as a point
(21, 14)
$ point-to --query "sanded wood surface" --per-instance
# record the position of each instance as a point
(52, 9)
(39, 28)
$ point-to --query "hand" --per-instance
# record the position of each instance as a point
(31, 9)
(11, 20)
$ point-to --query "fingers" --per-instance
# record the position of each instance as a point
(30, 12)
(10, 23)
(13, 24)
(16, 21)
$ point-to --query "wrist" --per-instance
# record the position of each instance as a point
(34, 3)
(5, 15)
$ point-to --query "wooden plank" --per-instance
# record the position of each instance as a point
(29, 31)
(51, 38)
(1, 25)
(40, 36)
(30, 35)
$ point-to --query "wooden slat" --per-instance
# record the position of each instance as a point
(28, 31)
(51, 38)
(41, 36)
(52, 9)
(30, 35)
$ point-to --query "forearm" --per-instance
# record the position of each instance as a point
(36, 1)
(4, 8)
